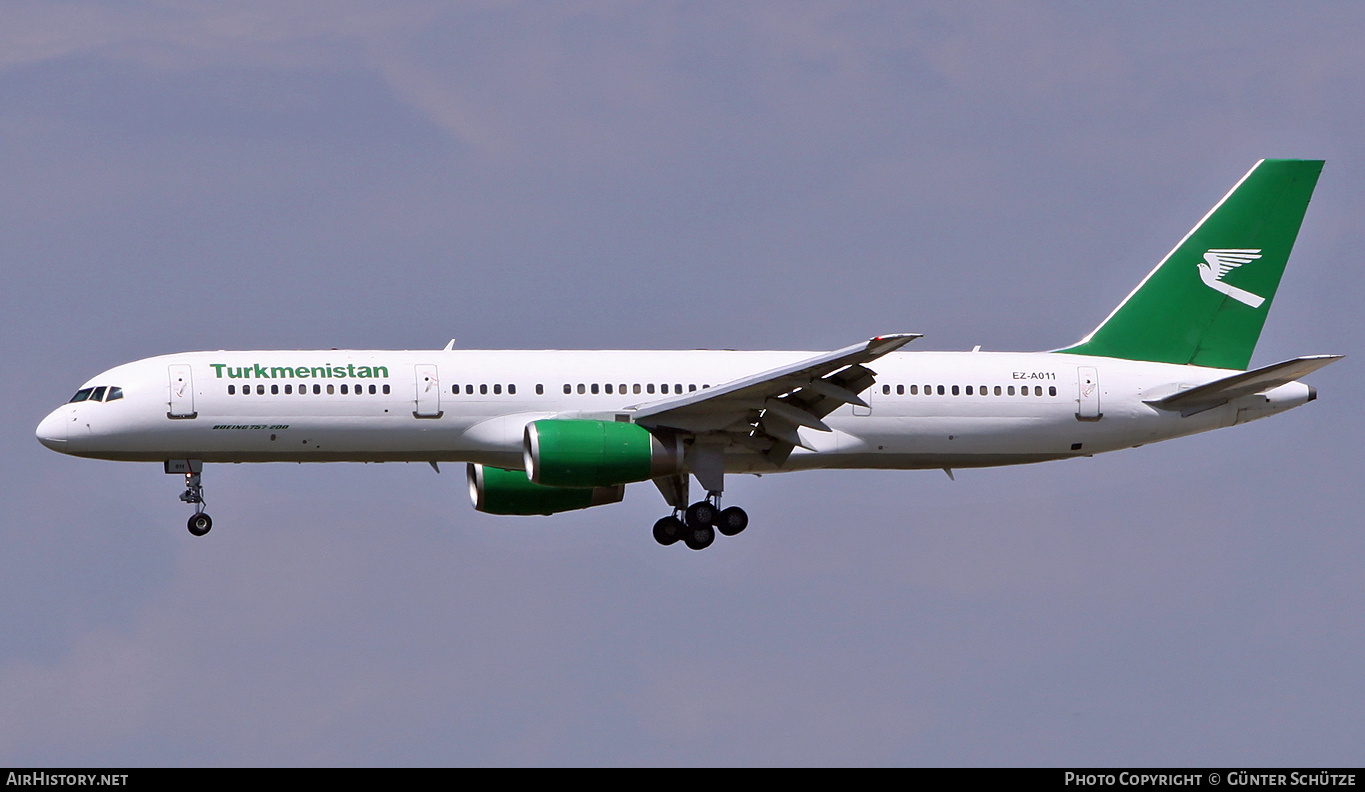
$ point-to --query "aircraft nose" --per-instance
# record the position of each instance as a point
(52, 431)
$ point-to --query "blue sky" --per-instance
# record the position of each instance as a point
(184, 176)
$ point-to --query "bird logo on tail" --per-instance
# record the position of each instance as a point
(1218, 262)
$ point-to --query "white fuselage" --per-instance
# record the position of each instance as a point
(473, 405)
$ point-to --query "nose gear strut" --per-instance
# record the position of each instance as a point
(200, 522)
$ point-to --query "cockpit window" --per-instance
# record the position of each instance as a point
(105, 393)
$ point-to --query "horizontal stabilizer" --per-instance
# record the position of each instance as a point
(1246, 383)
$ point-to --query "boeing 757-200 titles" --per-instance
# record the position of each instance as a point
(550, 431)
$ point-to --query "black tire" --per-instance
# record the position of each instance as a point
(668, 530)
(200, 524)
(701, 513)
(700, 538)
(732, 520)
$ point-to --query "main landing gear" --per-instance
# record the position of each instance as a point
(200, 522)
(696, 525)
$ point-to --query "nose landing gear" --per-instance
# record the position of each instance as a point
(200, 522)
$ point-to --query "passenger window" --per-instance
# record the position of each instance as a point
(594, 389)
(649, 387)
(691, 388)
(954, 390)
(914, 390)
(900, 390)
(358, 389)
(455, 389)
(1010, 392)
(663, 388)
(274, 390)
(622, 389)
(982, 391)
(581, 389)
(1037, 390)
(288, 390)
(115, 392)
(1052, 390)
(969, 390)
(886, 390)
(940, 390)
(232, 390)
(568, 388)
(331, 389)
(371, 389)
(997, 390)
(483, 390)
(343, 389)
(497, 389)
(386, 389)
(512, 390)
(635, 388)
(677, 388)
(260, 390)
(540, 389)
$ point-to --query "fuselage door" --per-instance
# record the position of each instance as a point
(182, 392)
(1088, 403)
(428, 392)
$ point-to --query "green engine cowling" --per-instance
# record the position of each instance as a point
(497, 491)
(584, 453)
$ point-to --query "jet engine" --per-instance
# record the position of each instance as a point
(497, 491)
(584, 453)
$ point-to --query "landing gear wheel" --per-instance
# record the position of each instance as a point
(668, 530)
(732, 520)
(701, 513)
(699, 538)
(200, 524)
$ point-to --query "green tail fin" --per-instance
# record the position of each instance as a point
(1206, 302)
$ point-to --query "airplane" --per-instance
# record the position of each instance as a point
(550, 431)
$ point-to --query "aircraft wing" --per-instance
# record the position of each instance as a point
(764, 410)
(1223, 390)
